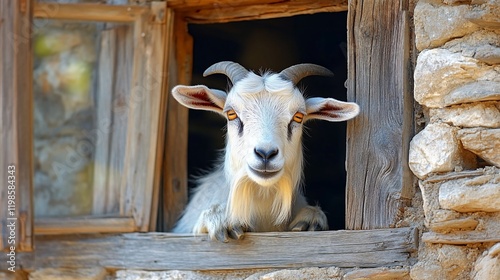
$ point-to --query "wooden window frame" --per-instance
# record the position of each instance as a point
(137, 208)
(378, 180)
(143, 119)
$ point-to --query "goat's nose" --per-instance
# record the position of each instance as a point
(266, 155)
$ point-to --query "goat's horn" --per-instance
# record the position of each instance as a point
(233, 70)
(298, 72)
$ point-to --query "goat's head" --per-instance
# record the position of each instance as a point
(265, 116)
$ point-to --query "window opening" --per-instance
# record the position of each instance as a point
(276, 44)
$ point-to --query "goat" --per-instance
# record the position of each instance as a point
(256, 187)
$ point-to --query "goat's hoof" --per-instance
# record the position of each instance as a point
(236, 232)
(221, 236)
(310, 218)
(305, 226)
(233, 232)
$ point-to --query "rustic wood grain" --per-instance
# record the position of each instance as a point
(16, 128)
(102, 195)
(174, 190)
(227, 11)
(378, 179)
(91, 224)
(168, 37)
(203, 4)
(88, 12)
(143, 123)
(118, 130)
(163, 251)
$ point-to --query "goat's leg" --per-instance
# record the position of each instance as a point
(213, 221)
(309, 218)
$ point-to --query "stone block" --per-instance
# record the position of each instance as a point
(249, 274)
(430, 192)
(486, 15)
(96, 273)
(436, 149)
(486, 232)
(334, 273)
(456, 224)
(380, 273)
(483, 45)
(488, 265)
(7, 275)
(437, 23)
(483, 142)
(455, 2)
(160, 275)
(445, 262)
(483, 114)
(481, 193)
(444, 78)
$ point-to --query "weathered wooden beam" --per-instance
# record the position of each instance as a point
(163, 120)
(90, 224)
(200, 4)
(88, 12)
(16, 127)
(175, 178)
(228, 11)
(379, 70)
(146, 95)
(163, 251)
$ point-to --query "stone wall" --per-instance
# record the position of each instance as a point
(456, 157)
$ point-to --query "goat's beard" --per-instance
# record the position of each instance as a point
(249, 202)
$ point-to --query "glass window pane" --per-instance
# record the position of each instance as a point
(81, 87)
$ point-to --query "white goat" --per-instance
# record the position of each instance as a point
(257, 185)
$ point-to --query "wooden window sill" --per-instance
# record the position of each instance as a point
(164, 251)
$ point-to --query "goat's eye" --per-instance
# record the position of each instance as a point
(231, 115)
(298, 117)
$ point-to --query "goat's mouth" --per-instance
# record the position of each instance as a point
(264, 174)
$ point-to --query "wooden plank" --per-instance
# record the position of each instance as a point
(378, 179)
(144, 116)
(227, 11)
(91, 224)
(164, 251)
(104, 99)
(121, 93)
(168, 38)
(175, 181)
(181, 5)
(115, 71)
(16, 128)
(136, 155)
(89, 12)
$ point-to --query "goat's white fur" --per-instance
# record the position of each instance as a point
(233, 198)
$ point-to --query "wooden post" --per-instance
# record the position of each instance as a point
(144, 116)
(175, 183)
(16, 127)
(378, 179)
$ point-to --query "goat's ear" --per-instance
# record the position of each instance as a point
(200, 97)
(330, 109)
